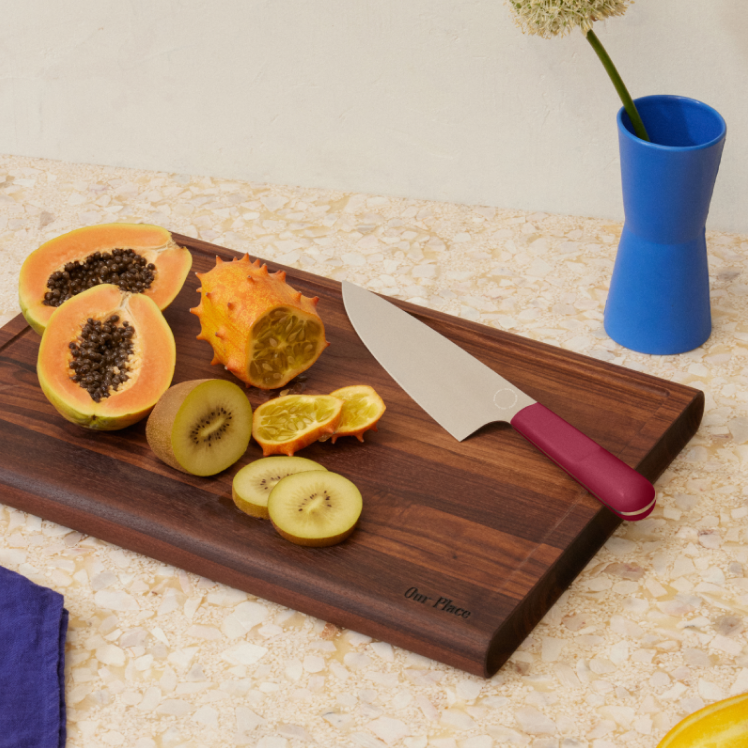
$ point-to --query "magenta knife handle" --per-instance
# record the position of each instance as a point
(610, 480)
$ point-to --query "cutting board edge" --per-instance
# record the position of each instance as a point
(673, 439)
(547, 590)
(12, 329)
(182, 558)
(576, 556)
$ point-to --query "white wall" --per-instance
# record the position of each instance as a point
(418, 98)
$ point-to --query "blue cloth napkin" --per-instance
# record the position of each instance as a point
(33, 626)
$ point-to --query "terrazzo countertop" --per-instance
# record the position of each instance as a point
(652, 630)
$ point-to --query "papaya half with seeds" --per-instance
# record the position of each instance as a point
(262, 330)
(139, 258)
(106, 357)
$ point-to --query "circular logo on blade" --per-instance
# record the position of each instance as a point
(505, 398)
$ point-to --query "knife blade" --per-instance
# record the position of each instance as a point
(462, 394)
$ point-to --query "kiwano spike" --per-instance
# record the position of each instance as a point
(235, 298)
(200, 336)
(215, 361)
(199, 275)
(315, 300)
(235, 369)
(199, 289)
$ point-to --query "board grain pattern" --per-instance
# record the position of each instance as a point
(462, 547)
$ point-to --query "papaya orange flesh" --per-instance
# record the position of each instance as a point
(153, 244)
(150, 366)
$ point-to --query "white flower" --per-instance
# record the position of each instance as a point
(548, 18)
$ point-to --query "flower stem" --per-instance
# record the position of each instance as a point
(628, 102)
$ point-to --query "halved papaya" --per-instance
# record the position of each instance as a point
(106, 357)
(139, 258)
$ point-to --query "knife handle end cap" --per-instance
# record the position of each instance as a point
(614, 483)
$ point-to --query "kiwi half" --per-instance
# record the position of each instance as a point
(315, 508)
(254, 482)
(200, 427)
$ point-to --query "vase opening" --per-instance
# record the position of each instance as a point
(677, 122)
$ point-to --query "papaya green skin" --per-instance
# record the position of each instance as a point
(89, 420)
(32, 321)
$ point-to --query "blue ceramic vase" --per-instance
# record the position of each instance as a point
(658, 300)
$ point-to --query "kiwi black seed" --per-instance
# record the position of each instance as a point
(200, 427)
(315, 508)
(219, 414)
(100, 355)
(122, 267)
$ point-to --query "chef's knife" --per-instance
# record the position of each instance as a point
(462, 394)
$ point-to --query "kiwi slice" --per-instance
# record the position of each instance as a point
(315, 508)
(254, 482)
(200, 427)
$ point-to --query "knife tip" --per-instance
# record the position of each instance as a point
(348, 288)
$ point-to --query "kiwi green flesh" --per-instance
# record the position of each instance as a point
(254, 482)
(212, 428)
(315, 508)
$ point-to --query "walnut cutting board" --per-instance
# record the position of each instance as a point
(462, 547)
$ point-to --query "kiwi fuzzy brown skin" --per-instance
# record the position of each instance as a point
(160, 424)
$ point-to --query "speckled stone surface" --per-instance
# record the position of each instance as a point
(655, 628)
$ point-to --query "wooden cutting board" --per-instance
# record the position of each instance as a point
(462, 547)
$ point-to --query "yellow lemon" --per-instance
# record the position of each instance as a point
(723, 724)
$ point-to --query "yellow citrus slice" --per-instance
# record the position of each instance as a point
(289, 423)
(723, 724)
(362, 408)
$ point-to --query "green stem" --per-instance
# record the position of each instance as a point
(628, 102)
